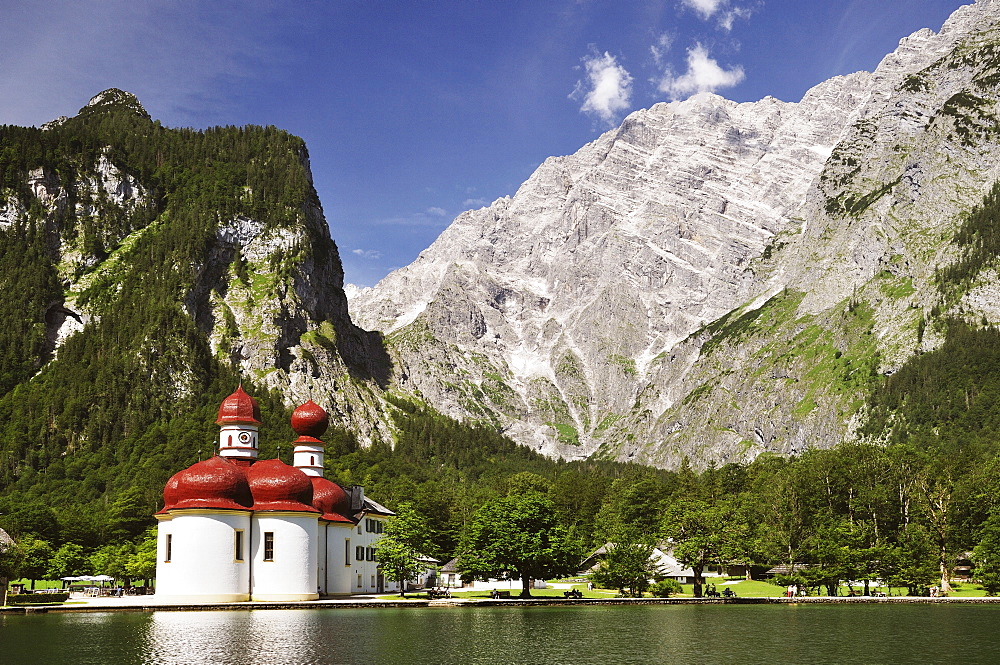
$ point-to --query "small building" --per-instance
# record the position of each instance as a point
(236, 528)
(964, 568)
(451, 577)
(785, 569)
(661, 557)
(428, 577)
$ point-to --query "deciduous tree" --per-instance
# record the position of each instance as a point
(401, 546)
(626, 566)
(518, 536)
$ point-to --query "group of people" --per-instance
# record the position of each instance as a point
(711, 592)
(439, 593)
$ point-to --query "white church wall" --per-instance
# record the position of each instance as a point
(351, 566)
(285, 568)
(340, 576)
(203, 564)
(321, 558)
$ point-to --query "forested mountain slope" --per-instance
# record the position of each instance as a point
(146, 271)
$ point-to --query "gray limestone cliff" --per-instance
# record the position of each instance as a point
(711, 280)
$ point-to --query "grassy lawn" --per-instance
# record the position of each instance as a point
(535, 593)
(743, 589)
(759, 589)
(40, 584)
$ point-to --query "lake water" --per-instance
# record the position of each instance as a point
(610, 635)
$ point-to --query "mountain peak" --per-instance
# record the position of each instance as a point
(113, 98)
(608, 308)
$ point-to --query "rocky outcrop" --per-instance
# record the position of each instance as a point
(646, 298)
(267, 293)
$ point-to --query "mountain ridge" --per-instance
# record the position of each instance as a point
(573, 314)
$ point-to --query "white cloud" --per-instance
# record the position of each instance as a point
(660, 48)
(372, 254)
(703, 75)
(474, 203)
(705, 8)
(727, 15)
(608, 90)
(438, 212)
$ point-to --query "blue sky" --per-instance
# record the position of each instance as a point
(415, 111)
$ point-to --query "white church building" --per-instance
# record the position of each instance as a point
(236, 528)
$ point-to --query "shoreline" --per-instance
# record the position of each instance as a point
(109, 605)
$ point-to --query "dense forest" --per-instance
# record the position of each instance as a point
(90, 430)
(130, 398)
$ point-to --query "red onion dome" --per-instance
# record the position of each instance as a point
(214, 483)
(239, 408)
(331, 500)
(310, 420)
(277, 486)
(170, 492)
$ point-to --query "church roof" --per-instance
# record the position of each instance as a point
(331, 500)
(239, 408)
(212, 483)
(232, 483)
(310, 421)
(375, 508)
(278, 486)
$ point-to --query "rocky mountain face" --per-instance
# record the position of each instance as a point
(195, 251)
(713, 280)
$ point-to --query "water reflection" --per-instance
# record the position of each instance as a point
(272, 637)
(678, 635)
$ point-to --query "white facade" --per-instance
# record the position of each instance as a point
(349, 566)
(284, 557)
(309, 458)
(196, 555)
(239, 440)
(514, 583)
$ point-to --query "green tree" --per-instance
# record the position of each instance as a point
(633, 503)
(128, 515)
(399, 549)
(36, 554)
(112, 560)
(33, 519)
(986, 554)
(699, 531)
(666, 587)
(518, 536)
(626, 566)
(912, 562)
(10, 564)
(68, 561)
(141, 563)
